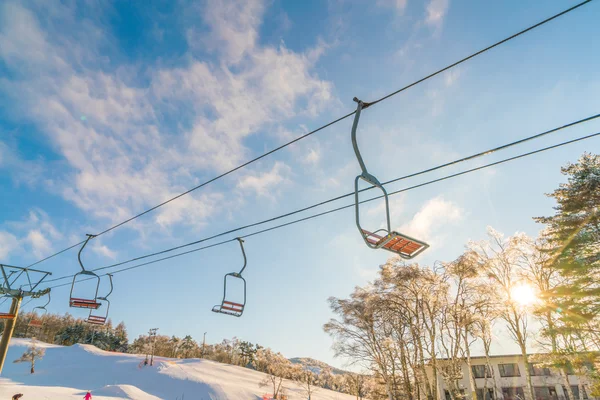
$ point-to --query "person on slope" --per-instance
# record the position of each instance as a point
(88, 396)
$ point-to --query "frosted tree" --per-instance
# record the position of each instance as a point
(31, 355)
(306, 379)
(500, 259)
(276, 367)
(175, 344)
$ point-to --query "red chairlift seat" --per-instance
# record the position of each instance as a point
(84, 303)
(230, 308)
(35, 323)
(6, 316)
(404, 246)
(96, 320)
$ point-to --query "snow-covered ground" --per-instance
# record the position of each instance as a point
(67, 372)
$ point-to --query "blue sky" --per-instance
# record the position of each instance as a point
(108, 108)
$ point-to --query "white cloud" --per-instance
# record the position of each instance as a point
(431, 218)
(234, 27)
(436, 11)
(267, 183)
(123, 156)
(40, 245)
(104, 251)
(313, 156)
(398, 5)
(8, 243)
(452, 76)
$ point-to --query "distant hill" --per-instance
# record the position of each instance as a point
(316, 366)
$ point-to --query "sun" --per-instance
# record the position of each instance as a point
(523, 294)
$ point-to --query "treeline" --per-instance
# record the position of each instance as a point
(67, 330)
(415, 319)
(278, 369)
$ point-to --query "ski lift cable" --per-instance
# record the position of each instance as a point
(343, 207)
(545, 21)
(412, 175)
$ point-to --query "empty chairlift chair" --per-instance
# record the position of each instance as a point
(227, 306)
(403, 245)
(38, 321)
(89, 302)
(6, 314)
(101, 319)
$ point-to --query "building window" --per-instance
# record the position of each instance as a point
(489, 396)
(481, 371)
(536, 370)
(509, 370)
(461, 393)
(575, 390)
(544, 393)
(513, 393)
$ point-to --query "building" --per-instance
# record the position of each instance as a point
(509, 371)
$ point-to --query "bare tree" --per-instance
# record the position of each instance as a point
(32, 354)
(276, 367)
(306, 379)
(500, 259)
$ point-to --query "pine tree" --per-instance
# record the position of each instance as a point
(573, 233)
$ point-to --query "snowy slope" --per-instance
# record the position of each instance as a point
(67, 372)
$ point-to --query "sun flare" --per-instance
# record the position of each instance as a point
(523, 294)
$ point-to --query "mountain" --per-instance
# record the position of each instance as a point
(316, 366)
(68, 372)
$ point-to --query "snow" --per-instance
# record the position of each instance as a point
(68, 372)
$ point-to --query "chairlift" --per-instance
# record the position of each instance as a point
(39, 322)
(101, 319)
(403, 245)
(227, 306)
(85, 302)
(7, 314)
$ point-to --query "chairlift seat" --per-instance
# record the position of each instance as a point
(229, 308)
(36, 323)
(84, 303)
(404, 246)
(96, 320)
(6, 316)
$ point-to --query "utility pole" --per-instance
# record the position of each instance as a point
(203, 344)
(16, 283)
(152, 334)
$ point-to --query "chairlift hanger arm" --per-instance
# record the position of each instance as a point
(89, 236)
(244, 254)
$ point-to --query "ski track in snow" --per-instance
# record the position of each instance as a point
(68, 372)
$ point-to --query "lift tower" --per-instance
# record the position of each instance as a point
(15, 284)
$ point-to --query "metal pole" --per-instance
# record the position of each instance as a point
(203, 343)
(9, 327)
(153, 335)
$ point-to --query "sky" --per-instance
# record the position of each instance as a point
(109, 108)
